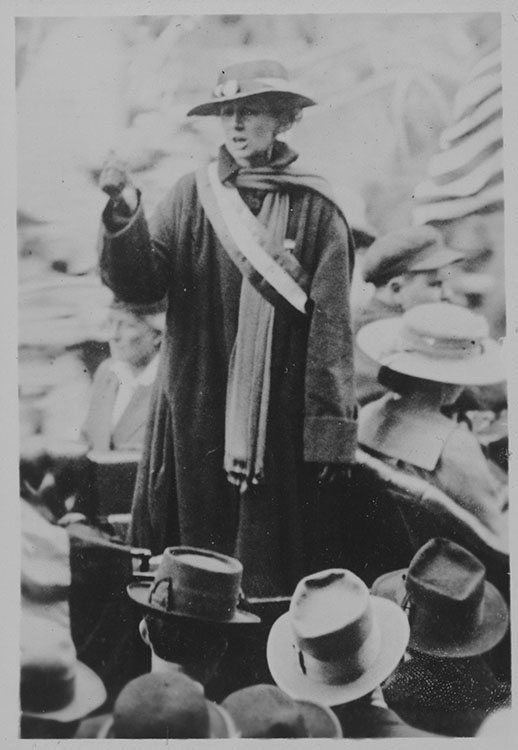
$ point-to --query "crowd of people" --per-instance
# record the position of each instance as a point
(249, 403)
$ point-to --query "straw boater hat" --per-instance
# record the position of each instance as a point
(194, 583)
(248, 79)
(337, 643)
(454, 611)
(441, 342)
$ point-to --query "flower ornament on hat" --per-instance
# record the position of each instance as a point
(194, 583)
(441, 342)
(336, 643)
(453, 610)
(265, 77)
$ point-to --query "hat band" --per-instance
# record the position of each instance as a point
(446, 624)
(190, 601)
(232, 87)
(345, 669)
(413, 342)
(40, 692)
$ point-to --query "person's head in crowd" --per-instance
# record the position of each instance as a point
(337, 642)
(190, 607)
(409, 267)
(453, 610)
(265, 711)
(135, 332)
(167, 706)
(56, 690)
(432, 351)
(255, 103)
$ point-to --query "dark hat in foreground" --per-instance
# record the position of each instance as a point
(194, 583)
(453, 610)
(337, 642)
(262, 711)
(248, 79)
(439, 341)
(54, 685)
(168, 706)
(411, 250)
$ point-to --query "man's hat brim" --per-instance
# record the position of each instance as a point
(375, 338)
(89, 694)
(283, 659)
(488, 633)
(213, 106)
(139, 592)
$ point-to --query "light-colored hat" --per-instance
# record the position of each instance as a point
(409, 250)
(194, 583)
(441, 342)
(54, 685)
(250, 79)
(266, 711)
(336, 643)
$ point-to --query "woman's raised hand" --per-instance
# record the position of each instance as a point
(116, 182)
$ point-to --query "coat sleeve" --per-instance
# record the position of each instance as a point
(137, 259)
(330, 423)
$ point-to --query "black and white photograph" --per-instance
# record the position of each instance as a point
(261, 353)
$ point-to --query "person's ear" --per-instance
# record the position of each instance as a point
(144, 633)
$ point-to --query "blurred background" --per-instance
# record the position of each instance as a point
(385, 86)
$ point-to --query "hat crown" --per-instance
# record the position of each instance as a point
(197, 583)
(252, 70)
(265, 711)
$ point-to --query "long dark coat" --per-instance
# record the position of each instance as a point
(284, 529)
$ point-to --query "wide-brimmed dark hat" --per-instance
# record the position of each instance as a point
(453, 610)
(266, 711)
(248, 79)
(194, 583)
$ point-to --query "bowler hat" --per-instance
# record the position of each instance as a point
(410, 250)
(195, 583)
(153, 312)
(336, 643)
(266, 711)
(54, 685)
(439, 341)
(167, 706)
(246, 79)
(453, 610)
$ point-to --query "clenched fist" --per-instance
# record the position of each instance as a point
(116, 182)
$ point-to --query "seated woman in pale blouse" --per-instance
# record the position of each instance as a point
(427, 355)
(122, 385)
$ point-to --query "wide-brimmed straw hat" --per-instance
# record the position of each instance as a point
(194, 583)
(54, 685)
(249, 79)
(453, 610)
(337, 643)
(441, 342)
(266, 711)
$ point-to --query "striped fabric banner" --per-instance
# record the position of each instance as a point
(274, 272)
(467, 174)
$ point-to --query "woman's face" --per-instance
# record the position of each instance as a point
(131, 338)
(250, 128)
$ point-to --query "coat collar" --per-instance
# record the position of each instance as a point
(282, 156)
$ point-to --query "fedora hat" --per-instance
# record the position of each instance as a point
(164, 705)
(266, 711)
(336, 643)
(453, 610)
(410, 250)
(195, 583)
(248, 79)
(54, 685)
(441, 342)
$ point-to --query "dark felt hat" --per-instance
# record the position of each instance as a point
(453, 610)
(194, 583)
(266, 711)
(411, 250)
(248, 79)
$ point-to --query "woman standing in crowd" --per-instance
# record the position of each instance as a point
(253, 414)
